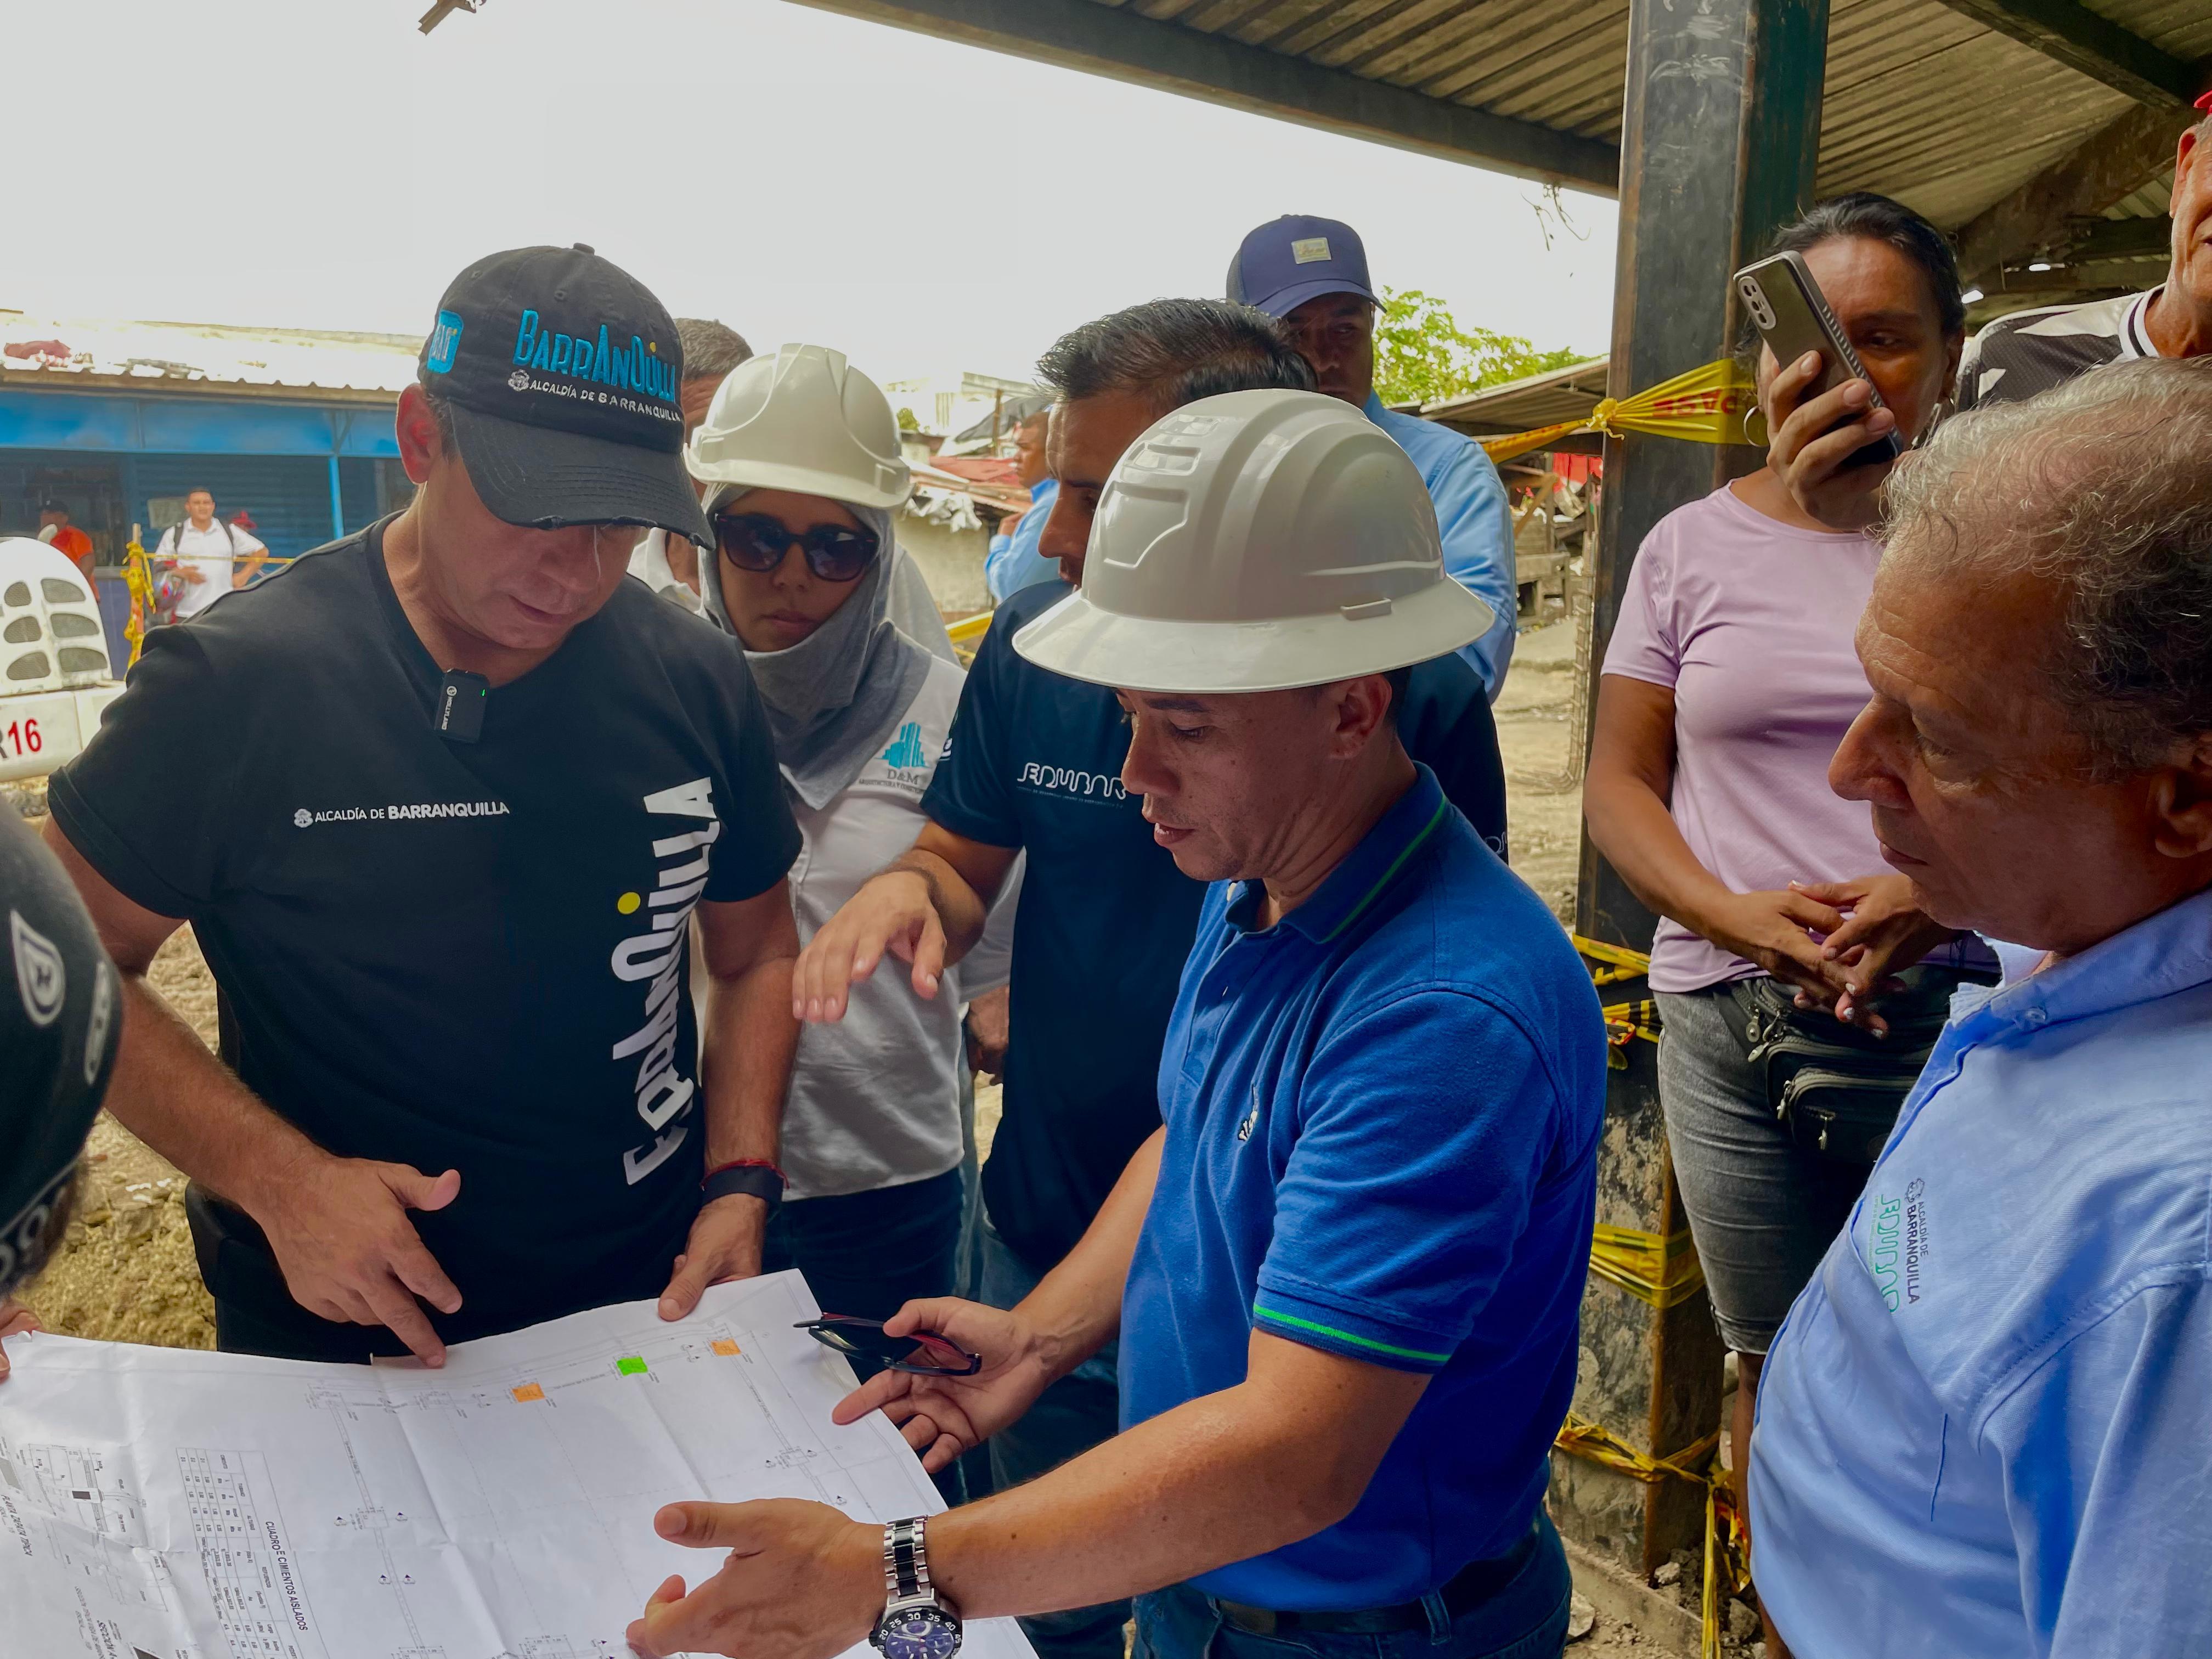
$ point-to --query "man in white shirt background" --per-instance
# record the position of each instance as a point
(211, 557)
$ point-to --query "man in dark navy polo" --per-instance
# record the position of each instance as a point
(1105, 920)
(1346, 1274)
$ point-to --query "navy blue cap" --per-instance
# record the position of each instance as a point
(1297, 258)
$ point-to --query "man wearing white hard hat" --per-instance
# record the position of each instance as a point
(798, 457)
(1035, 763)
(1346, 1274)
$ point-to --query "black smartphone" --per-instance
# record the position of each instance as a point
(1792, 316)
(925, 1353)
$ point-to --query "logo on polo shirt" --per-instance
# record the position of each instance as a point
(657, 955)
(402, 810)
(1251, 1118)
(1069, 781)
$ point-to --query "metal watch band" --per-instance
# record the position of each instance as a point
(906, 1561)
(758, 1179)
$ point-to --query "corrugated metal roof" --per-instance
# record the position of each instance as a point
(1523, 405)
(1922, 102)
(183, 355)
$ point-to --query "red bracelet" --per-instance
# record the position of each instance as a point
(746, 1164)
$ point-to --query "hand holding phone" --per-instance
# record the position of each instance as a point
(1832, 439)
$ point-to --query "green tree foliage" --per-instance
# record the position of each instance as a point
(1422, 354)
(907, 421)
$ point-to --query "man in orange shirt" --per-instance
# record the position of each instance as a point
(55, 528)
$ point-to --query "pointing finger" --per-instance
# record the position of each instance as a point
(397, 1310)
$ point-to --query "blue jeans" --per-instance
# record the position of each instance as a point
(1070, 1418)
(1524, 1619)
(869, 1254)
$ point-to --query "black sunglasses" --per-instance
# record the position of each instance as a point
(755, 542)
(925, 1353)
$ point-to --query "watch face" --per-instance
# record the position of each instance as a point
(918, 1633)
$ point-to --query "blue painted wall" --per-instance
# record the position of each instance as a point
(279, 461)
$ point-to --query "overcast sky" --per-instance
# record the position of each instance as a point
(925, 206)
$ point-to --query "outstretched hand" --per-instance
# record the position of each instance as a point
(892, 914)
(801, 1582)
(942, 1417)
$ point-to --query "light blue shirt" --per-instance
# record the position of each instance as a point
(1013, 562)
(1477, 528)
(1986, 1427)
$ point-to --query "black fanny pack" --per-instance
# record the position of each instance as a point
(1839, 1088)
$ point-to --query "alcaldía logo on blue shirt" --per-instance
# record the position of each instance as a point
(1900, 1244)
(637, 366)
(906, 754)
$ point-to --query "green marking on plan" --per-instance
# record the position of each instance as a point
(630, 1365)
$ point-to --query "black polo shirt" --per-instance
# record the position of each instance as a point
(1035, 760)
(446, 954)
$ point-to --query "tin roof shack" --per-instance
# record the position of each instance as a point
(117, 421)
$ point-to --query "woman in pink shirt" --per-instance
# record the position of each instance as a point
(1729, 684)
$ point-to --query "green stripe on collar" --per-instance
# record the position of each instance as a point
(1443, 806)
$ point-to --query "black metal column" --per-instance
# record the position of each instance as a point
(1720, 129)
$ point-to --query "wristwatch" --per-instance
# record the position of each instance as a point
(917, 1623)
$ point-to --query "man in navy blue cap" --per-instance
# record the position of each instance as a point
(1311, 274)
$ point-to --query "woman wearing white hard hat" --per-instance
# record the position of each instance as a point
(800, 465)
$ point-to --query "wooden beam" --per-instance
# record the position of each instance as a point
(2114, 163)
(1720, 132)
(1124, 46)
(2081, 40)
(2120, 238)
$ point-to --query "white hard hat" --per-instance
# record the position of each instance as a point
(1254, 542)
(802, 420)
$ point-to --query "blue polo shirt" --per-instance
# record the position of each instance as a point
(1105, 918)
(1986, 1428)
(1475, 523)
(1382, 1120)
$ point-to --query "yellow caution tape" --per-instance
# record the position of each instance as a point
(138, 578)
(1663, 1272)
(1709, 405)
(1726, 1567)
(1614, 955)
(967, 634)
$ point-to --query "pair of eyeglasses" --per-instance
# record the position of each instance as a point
(925, 1353)
(755, 542)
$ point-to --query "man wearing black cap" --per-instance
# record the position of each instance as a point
(443, 862)
(1312, 275)
(59, 1020)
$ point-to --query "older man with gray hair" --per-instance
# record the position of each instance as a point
(1986, 1427)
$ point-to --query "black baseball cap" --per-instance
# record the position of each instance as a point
(562, 371)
